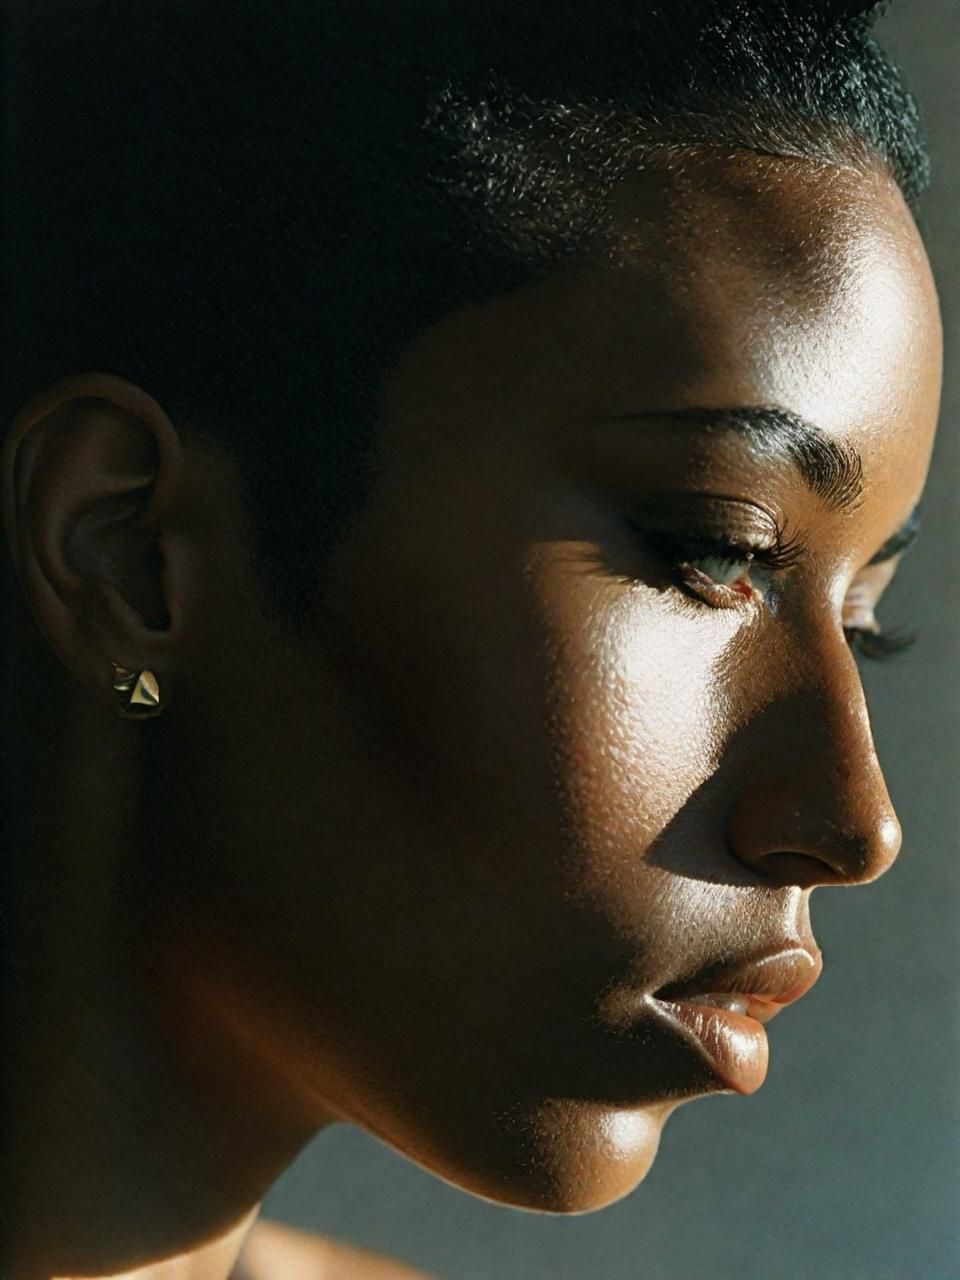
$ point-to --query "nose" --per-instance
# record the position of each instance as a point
(814, 808)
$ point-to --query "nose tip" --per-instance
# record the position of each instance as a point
(884, 850)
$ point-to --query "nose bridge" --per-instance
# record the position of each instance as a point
(816, 809)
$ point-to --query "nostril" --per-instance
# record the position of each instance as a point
(803, 869)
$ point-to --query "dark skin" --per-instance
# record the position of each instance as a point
(419, 870)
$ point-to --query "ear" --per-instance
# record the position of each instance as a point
(92, 476)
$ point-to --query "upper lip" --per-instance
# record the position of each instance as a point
(770, 979)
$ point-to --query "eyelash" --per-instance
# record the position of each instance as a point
(879, 645)
(678, 549)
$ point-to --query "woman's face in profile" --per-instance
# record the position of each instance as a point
(526, 834)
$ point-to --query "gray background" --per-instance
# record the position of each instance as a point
(846, 1164)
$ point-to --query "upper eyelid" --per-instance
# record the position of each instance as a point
(693, 544)
(783, 554)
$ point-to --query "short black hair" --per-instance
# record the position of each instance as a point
(249, 206)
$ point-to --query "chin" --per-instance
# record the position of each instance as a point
(559, 1156)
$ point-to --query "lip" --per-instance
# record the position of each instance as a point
(733, 1041)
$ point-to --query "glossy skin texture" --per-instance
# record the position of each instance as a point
(421, 871)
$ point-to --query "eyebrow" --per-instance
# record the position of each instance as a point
(904, 538)
(832, 469)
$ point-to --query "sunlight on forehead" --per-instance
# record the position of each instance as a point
(808, 284)
(858, 358)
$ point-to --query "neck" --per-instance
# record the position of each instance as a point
(142, 1131)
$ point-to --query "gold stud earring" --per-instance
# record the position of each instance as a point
(139, 692)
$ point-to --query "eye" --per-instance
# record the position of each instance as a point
(723, 572)
(723, 581)
(863, 632)
(879, 644)
(726, 573)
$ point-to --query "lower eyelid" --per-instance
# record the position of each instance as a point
(717, 594)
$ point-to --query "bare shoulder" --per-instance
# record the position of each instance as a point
(276, 1252)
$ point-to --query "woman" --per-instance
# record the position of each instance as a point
(453, 452)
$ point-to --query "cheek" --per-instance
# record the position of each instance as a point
(533, 733)
(638, 711)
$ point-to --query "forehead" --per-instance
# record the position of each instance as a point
(773, 260)
(785, 282)
(754, 280)
(781, 273)
(718, 282)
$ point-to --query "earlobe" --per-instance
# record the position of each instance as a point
(92, 475)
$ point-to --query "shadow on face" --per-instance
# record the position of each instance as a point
(569, 728)
(580, 720)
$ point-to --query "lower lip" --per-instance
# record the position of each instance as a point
(734, 1045)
